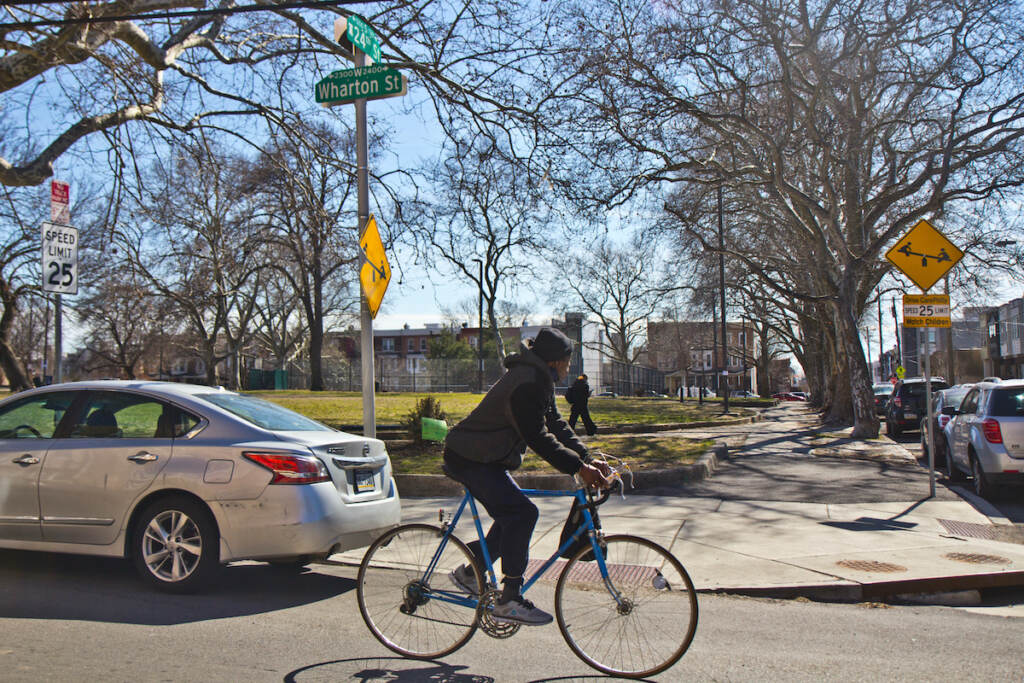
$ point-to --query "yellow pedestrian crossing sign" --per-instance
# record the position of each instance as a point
(924, 255)
(375, 273)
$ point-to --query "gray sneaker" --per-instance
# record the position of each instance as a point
(520, 611)
(464, 579)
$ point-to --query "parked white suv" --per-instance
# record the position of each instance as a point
(986, 438)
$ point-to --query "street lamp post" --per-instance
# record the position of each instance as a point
(721, 278)
(480, 328)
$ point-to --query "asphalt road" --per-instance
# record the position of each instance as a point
(74, 619)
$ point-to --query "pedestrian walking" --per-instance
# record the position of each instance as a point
(578, 396)
(518, 411)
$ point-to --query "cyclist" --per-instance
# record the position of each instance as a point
(519, 411)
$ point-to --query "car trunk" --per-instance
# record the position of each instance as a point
(359, 467)
(1007, 406)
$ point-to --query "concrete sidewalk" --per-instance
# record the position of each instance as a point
(826, 551)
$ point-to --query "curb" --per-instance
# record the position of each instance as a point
(431, 485)
(884, 590)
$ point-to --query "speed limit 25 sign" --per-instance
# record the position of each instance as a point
(926, 310)
(60, 258)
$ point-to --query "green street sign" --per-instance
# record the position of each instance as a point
(358, 33)
(366, 82)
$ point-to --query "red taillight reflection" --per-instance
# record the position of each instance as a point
(991, 430)
(291, 469)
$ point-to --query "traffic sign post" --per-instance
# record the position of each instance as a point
(925, 255)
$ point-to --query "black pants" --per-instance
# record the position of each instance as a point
(581, 410)
(514, 515)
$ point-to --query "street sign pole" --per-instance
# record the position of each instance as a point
(58, 340)
(366, 320)
(928, 402)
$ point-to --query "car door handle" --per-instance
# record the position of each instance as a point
(142, 457)
(27, 460)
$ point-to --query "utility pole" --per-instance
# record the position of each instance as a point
(721, 277)
(881, 348)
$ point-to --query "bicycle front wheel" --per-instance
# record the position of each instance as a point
(408, 610)
(639, 622)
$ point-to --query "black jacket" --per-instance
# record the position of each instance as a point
(517, 412)
(579, 392)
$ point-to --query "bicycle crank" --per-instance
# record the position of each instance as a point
(493, 628)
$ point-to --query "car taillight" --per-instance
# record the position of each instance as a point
(991, 430)
(898, 402)
(291, 469)
(943, 421)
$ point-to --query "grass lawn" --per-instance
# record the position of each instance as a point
(641, 451)
(338, 408)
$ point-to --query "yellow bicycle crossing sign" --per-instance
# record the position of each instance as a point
(924, 255)
(375, 273)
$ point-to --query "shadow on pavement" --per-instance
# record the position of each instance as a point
(53, 586)
(395, 669)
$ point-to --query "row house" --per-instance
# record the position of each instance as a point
(691, 352)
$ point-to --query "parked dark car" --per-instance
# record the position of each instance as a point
(947, 398)
(906, 404)
(882, 392)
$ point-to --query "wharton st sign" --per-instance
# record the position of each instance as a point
(365, 82)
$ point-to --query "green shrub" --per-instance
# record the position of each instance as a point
(428, 406)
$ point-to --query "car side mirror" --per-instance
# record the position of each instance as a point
(950, 410)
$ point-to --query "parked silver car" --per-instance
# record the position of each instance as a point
(986, 436)
(183, 478)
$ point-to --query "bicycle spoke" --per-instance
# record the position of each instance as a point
(651, 625)
(396, 597)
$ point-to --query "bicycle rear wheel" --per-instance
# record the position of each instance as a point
(400, 602)
(651, 625)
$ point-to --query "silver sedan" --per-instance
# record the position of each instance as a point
(183, 479)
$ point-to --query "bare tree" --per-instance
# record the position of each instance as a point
(619, 286)
(195, 243)
(19, 278)
(485, 225)
(845, 123)
(309, 200)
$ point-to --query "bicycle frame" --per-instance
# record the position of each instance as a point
(449, 528)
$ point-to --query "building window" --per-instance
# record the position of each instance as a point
(411, 346)
(423, 344)
(387, 344)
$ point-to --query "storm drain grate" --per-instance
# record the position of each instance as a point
(969, 529)
(871, 566)
(978, 558)
(588, 571)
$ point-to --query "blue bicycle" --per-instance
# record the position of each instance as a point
(624, 604)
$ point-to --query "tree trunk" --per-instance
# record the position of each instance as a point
(861, 399)
(316, 361)
(14, 369)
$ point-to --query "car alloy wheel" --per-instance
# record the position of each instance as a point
(176, 545)
(981, 486)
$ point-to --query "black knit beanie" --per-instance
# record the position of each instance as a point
(550, 344)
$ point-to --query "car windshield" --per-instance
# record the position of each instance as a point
(918, 388)
(882, 389)
(1008, 402)
(263, 413)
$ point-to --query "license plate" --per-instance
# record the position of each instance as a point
(910, 416)
(364, 481)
